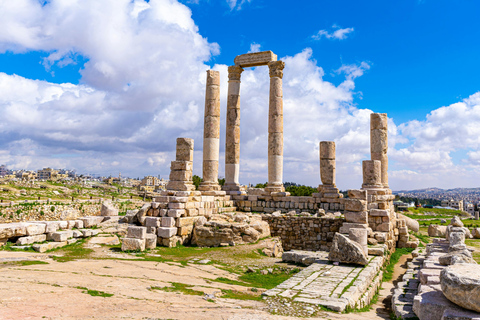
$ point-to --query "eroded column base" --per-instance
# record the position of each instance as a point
(233, 189)
(274, 188)
(209, 186)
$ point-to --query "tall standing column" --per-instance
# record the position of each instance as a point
(211, 133)
(232, 143)
(275, 128)
(379, 143)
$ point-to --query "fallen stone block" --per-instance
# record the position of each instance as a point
(48, 246)
(62, 225)
(153, 222)
(79, 224)
(137, 232)
(89, 222)
(61, 236)
(347, 251)
(461, 285)
(168, 222)
(9, 230)
(133, 244)
(86, 232)
(108, 209)
(31, 239)
(33, 229)
(77, 233)
(437, 231)
(150, 241)
(164, 232)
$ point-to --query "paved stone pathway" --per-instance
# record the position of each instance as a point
(335, 287)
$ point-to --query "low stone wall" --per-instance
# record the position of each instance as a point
(304, 233)
(43, 211)
(269, 204)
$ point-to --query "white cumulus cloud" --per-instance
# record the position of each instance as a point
(337, 33)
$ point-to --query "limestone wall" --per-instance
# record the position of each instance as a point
(304, 233)
(269, 204)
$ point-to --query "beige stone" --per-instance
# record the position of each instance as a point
(461, 284)
(255, 59)
(355, 205)
(213, 78)
(275, 143)
(211, 127)
(372, 176)
(356, 216)
(133, 244)
(327, 150)
(360, 236)
(378, 121)
(327, 171)
(181, 165)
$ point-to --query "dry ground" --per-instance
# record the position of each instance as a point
(59, 290)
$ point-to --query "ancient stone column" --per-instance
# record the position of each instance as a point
(379, 143)
(211, 133)
(275, 128)
(232, 143)
(372, 174)
(327, 163)
(181, 169)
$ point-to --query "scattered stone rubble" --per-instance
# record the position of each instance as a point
(442, 282)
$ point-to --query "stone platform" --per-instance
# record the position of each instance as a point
(337, 287)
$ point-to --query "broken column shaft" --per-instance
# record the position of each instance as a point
(379, 143)
(211, 133)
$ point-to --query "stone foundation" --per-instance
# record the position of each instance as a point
(304, 233)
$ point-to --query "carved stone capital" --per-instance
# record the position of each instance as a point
(276, 68)
(234, 72)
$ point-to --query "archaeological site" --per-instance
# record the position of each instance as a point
(235, 252)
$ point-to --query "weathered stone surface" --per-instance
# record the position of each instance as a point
(150, 241)
(437, 231)
(356, 217)
(456, 238)
(476, 233)
(372, 174)
(359, 235)
(142, 213)
(33, 229)
(153, 222)
(456, 222)
(412, 224)
(164, 232)
(347, 251)
(137, 232)
(89, 222)
(61, 236)
(133, 244)
(48, 246)
(31, 239)
(108, 209)
(461, 256)
(461, 284)
(355, 205)
(255, 59)
(110, 240)
(8, 230)
(357, 194)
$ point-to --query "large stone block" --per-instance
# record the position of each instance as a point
(255, 59)
(89, 222)
(31, 239)
(153, 222)
(187, 221)
(168, 222)
(61, 236)
(108, 209)
(133, 244)
(164, 232)
(150, 241)
(461, 284)
(347, 251)
(437, 231)
(356, 217)
(33, 229)
(8, 230)
(136, 232)
(355, 205)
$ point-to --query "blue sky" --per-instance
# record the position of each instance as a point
(106, 86)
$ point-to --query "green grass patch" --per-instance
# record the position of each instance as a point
(31, 262)
(95, 293)
(9, 247)
(394, 258)
(423, 238)
(240, 295)
(266, 281)
(72, 252)
(179, 287)
(434, 212)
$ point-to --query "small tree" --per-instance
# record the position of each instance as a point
(196, 181)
